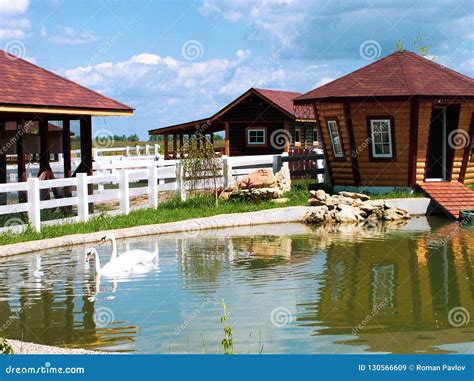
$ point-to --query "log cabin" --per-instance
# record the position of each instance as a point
(403, 121)
(259, 122)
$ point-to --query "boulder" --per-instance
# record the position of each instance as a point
(319, 195)
(395, 214)
(348, 213)
(316, 215)
(370, 206)
(315, 202)
(354, 195)
(261, 178)
(283, 180)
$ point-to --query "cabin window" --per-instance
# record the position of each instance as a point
(381, 135)
(315, 135)
(335, 138)
(297, 135)
(256, 136)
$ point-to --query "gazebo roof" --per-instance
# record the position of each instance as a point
(398, 74)
(30, 88)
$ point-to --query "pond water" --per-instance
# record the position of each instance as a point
(288, 288)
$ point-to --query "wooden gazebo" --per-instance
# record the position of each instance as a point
(31, 95)
(258, 122)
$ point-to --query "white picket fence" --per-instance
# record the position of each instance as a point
(160, 176)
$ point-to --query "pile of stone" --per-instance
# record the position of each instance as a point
(349, 207)
(260, 185)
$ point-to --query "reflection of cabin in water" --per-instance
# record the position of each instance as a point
(376, 296)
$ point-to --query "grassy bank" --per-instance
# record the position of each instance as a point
(169, 211)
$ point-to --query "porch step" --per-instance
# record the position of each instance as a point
(451, 197)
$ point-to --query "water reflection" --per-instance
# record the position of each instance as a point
(349, 289)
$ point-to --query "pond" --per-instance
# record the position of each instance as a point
(288, 288)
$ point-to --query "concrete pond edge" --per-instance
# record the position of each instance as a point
(414, 206)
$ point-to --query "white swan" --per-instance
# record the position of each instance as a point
(119, 265)
(136, 256)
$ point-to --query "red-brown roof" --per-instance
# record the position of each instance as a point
(398, 74)
(25, 84)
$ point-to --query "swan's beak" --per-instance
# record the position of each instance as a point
(88, 257)
(102, 241)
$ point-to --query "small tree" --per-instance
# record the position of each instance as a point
(202, 168)
(419, 44)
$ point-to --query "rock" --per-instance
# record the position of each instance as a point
(315, 202)
(395, 214)
(348, 213)
(261, 178)
(354, 195)
(279, 200)
(370, 206)
(319, 195)
(317, 215)
(357, 202)
(283, 180)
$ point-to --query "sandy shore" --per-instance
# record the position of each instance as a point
(23, 348)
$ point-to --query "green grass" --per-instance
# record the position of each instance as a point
(471, 186)
(398, 193)
(175, 210)
(168, 211)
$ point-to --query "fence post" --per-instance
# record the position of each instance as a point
(95, 154)
(137, 150)
(153, 186)
(127, 151)
(147, 150)
(82, 197)
(226, 172)
(34, 209)
(277, 163)
(285, 164)
(157, 151)
(124, 191)
(180, 191)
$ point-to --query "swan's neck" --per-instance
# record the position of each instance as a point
(114, 248)
(97, 264)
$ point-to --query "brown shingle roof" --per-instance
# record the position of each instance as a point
(398, 74)
(25, 84)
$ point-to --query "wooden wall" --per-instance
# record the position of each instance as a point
(424, 120)
(391, 172)
(340, 170)
(463, 125)
(238, 138)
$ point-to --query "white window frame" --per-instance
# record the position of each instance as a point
(256, 129)
(298, 133)
(331, 135)
(315, 134)
(372, 137)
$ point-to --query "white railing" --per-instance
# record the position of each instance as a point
(160, 176)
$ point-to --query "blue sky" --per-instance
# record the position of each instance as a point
(181, 60)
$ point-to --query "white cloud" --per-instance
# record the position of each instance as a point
(166, 90)
(69, 36)
(13, 24)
